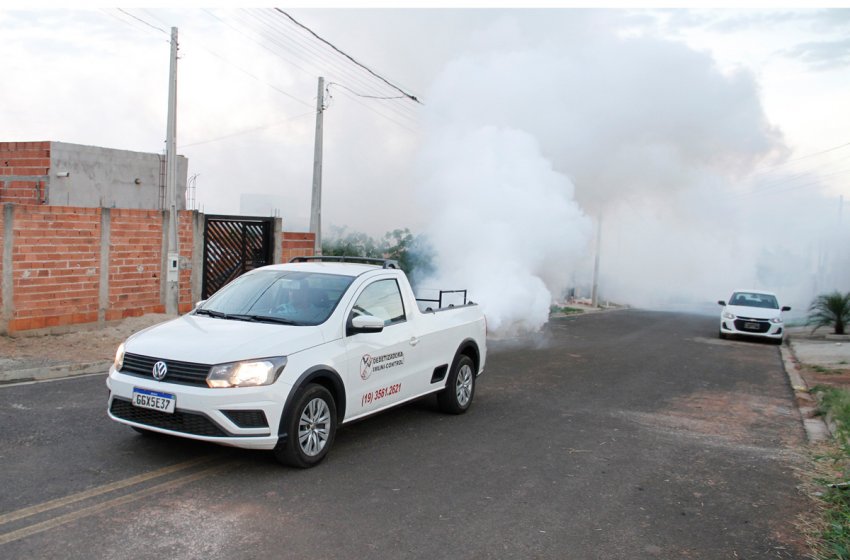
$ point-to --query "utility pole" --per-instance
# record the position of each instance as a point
(172, 267)
(594, 294)
(316, 205)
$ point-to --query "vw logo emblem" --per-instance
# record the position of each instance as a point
(159, 370)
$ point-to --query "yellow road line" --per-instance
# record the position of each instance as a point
(98, 490)
(97, 508)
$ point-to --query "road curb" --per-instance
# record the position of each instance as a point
(53, 372)
(816, 429)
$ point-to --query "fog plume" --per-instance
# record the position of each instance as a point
(530, 141)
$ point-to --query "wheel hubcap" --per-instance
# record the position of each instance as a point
(314, 427)
(464, 385)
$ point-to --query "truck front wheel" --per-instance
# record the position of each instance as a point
(460, 387)
(310, 428)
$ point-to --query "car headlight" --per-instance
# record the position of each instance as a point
(246, 374)
(119, 357)
(727, 315)
(776, 320)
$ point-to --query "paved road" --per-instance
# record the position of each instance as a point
(618, 435)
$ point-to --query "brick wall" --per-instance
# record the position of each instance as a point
(73, 265)
(24, 159)
(57, 259)
(135, 263)
(297, 244)
(185, 239)
(56, 266)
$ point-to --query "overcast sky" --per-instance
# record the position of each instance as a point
(649, 118)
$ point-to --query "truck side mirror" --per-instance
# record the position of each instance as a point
(364, 324)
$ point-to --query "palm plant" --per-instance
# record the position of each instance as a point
(830, 310)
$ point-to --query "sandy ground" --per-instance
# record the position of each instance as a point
(83, 346)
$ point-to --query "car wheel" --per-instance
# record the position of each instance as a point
(777, 341)
(310, 428)
(721, 335)
(456, 398)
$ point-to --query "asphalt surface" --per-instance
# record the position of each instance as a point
(616, 435)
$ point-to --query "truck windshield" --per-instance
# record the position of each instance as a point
(285, 297)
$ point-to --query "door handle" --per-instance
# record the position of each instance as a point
(414, 341)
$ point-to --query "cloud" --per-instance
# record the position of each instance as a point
(822, 55)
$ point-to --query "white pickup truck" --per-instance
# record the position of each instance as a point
(281, 356)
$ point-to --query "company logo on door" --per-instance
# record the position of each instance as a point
(370, 364)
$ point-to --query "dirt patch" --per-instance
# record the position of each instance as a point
(729, 418)
(84, 346)
(819, 375)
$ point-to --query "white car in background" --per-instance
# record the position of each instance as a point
(752, 313)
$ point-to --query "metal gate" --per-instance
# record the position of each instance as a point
(233, 245)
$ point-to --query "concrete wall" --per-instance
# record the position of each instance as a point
(103, 177)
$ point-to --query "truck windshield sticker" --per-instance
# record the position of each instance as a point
(371, 364)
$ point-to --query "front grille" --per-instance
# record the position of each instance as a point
(184, 373)
(247, 418)
(179, 421)
(741, 322)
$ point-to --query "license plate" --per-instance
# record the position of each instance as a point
(752, 326)
(154, 400)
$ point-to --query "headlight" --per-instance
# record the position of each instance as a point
(727, 315)
(776, 320)
(246, 374)
(119, 357)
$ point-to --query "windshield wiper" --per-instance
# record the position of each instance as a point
(251, 318)
(211, 313)
(268, 319)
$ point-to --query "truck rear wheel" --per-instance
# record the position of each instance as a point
(456, 398)
(310, 428)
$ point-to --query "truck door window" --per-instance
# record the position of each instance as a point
(381, 299)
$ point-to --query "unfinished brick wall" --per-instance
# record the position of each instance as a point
(57, 259)
(135, 263)
(56, 266)
(24, 159)
(297, 244)
(185, 240)
(74, 265)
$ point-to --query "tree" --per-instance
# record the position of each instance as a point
(412, 252)
(830, 310)
(353, 244)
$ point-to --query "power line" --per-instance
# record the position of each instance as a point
(771, 168)
(247, 73)
(276, 38)
(152, 26)
(363, 95)
(248, 130)
(313, 33)
(321, 60)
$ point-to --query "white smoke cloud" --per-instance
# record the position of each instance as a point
(504, 222)
(526, 138)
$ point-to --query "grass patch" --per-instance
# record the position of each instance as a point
(834, 535)
(565, 310)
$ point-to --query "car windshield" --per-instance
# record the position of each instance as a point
(748, 299)
(278, 296)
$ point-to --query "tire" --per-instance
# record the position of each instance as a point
(721, 335)
(310, 428)
(777, 341)
(456, 398)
